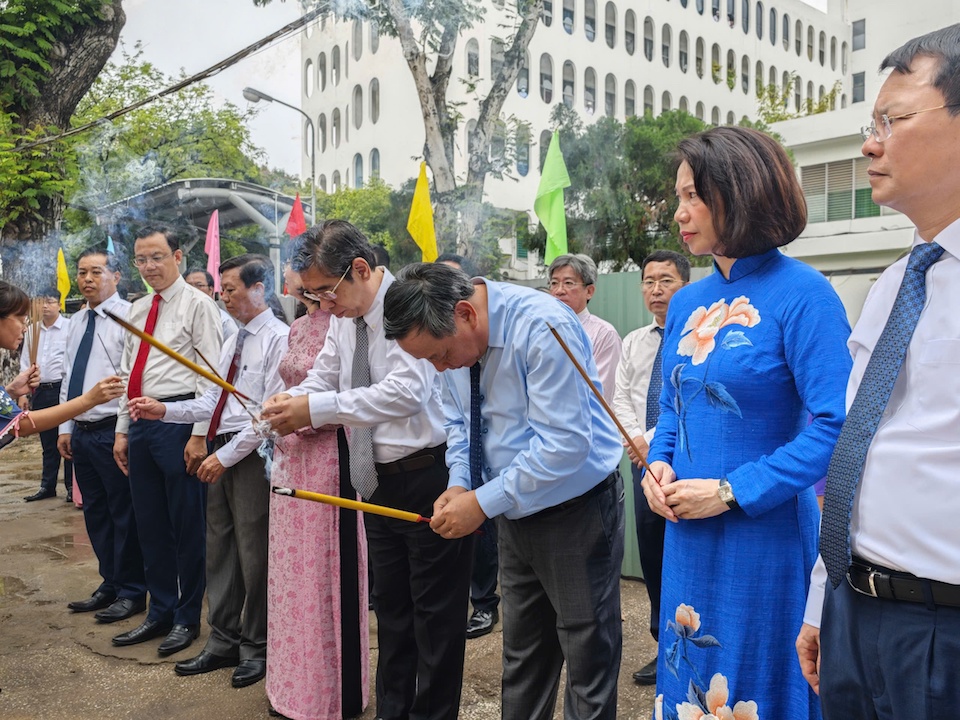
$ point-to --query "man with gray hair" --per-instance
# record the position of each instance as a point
(391, 403)
(529, 445)
(573, 281)
(881, 638)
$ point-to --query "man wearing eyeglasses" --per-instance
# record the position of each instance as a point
(636, 403)
(881, 633)
(203, 281)
(391, 403)
(161, 459)
(573, 281)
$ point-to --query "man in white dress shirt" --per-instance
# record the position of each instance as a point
(391, 403)
(94, 348)
(663, 272)
(573, 281)
(881, 638)
(203, 281)
(52, 344)
(161, 460)
(238, 495)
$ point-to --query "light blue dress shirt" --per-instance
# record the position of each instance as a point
(546, 438)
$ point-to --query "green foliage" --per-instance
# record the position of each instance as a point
(29, 34)
(370, 208)
(26, 177)
(621, 200)
(774, 103)
(182, 135)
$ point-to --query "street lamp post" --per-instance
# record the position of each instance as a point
(253, 95)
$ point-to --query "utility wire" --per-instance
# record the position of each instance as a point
(186, 82)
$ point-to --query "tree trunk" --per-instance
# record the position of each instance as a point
(76, 59)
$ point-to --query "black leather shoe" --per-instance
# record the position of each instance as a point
(481, 623)
(180, 638)
(147, 630)
(203, 663)
(121, 609)
(41, 495)
(647, 675)
(97, 601)
(249, 672)
(273, 712)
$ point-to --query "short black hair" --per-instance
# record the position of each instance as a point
(746, 179)
(383, 257)
(206, 275)
(944, 46)
(331, 247)
(13, 300)
(253, 268)
(679, 262)
(113, 262)
(171, 234)
(48, 292)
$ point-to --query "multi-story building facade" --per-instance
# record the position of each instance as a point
(626, 57)
(848, 237)
(599, 57)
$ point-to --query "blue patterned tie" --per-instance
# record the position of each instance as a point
(476, 451)
(846, 465)
(656, 384)
(79, 372)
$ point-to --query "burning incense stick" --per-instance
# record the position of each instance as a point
(36, 318)
(236, 394)
(352, 504)
(152, 341)
(603, 402)
(107, 353)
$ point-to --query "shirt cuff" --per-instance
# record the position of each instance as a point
(227, 455)
(492, 500)
(323, 408)
(818, 583)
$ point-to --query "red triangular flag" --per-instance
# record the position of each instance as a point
(297, 224)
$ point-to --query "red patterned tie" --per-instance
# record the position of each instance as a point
(224, 395)
(135, 384)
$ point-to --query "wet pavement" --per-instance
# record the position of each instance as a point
(58, 665)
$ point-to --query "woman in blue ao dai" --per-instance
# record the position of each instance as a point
(750, 354)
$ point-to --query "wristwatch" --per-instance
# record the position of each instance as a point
(725, 493)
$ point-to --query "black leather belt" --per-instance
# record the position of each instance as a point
(177, 398)
(48, 386)
(220, 440)
(107, 422)
(880, 582)
(417, 461)
(608, 482)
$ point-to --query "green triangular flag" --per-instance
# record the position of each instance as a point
(549, 203)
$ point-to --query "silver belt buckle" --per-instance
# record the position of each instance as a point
(871, 582)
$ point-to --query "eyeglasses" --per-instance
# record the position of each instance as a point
(667, 284)
(327, 295)
(565, 284)
(883, 131)
(141, 261)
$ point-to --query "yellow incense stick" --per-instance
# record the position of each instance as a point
(352, 504)
(151, 340)
(603, 402)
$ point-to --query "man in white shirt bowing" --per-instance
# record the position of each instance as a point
(881, 633)
(391, 403)
(160, 459)
(238, 493)
(94, 348)
(636, 403)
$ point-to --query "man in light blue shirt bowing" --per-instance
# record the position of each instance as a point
(530, 445)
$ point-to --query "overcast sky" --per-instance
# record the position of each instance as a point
(195, 34)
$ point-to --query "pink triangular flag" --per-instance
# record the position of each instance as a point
(212, 248)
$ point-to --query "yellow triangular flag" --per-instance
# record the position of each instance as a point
(420, 222)
(63, 279)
